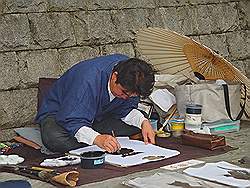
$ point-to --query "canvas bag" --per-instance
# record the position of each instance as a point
(218, 101)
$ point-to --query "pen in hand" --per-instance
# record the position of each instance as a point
(113, 134)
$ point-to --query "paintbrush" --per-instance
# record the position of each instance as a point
(113, 134)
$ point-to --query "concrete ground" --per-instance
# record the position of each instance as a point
(239, 139)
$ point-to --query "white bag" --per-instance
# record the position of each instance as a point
(218, 101)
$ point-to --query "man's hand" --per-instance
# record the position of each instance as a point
(107, 142)
(148, 132)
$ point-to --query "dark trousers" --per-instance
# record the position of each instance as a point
(57, 139)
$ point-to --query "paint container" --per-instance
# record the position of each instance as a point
(92, 159)
(177, 127)
(193, 116)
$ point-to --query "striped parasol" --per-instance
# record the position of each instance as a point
(173, 53)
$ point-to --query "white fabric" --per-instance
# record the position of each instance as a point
(10, 159)
(86, 135)
(61, 161)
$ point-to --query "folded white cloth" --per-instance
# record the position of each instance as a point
(10, 159)
(61, 161)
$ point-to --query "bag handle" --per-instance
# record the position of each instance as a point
(227, 103)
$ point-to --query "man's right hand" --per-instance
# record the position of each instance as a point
(107, 142)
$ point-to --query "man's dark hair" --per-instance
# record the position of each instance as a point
(136, 75)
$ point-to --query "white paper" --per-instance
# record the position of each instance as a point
(137, 146)
(183, 164)
(217, 171)
(169, 180)
(163, 98)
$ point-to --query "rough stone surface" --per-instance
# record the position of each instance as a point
(226, 18)
(239, 44)
(177, 3)
(244, 15)
(9, 67)
(51, 30)
(7, 135)
(17, 107)
(128, 22)
(125, 48)
(243, 66)
(36, 64)
(91, 22)
(24, 6)
(76, 5)
(70, 56)
(14, 32)
(201, 19)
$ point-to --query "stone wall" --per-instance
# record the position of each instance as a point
(43, 38)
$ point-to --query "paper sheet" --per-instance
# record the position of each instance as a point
(183, 164)
(137, 146)
(219, 172)
(169, 180)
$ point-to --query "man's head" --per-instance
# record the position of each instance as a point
(133, 77)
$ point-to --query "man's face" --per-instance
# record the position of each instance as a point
(118, 90)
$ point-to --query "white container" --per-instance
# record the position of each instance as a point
(193, 116)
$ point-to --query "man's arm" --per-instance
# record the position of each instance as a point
(86, 135)
(89, 136)
(136, 118)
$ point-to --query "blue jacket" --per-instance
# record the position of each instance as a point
(80, 96)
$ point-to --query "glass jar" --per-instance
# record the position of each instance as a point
(193, 116)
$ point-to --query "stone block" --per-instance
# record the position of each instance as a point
(201, 19)
(216, 42)
(244, 14)
(180, 19)
(123, 48)
(51, 30)
(168, 3)
(35, 64)
(24, 6)
(66, 5)
(9, 72)
(14, 32)
(2, 3)
(238, 44)
(7, 135)
(76, 5)
(17, 107)
(87, 27)
(123, 4)
(117, 25)
(80, 22)
(216, 18)
(70, 56)
(128, 22)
